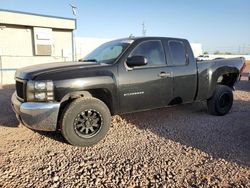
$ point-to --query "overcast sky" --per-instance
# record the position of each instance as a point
(217, 24)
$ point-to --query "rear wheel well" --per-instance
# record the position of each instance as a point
(227, 79)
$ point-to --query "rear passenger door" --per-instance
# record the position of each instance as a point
(184, 70)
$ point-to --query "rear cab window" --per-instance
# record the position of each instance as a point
(177, 52)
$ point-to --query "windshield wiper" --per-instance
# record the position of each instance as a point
(89, 60)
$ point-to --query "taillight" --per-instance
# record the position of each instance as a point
(242, 69)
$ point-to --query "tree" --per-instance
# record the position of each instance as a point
(217, 52)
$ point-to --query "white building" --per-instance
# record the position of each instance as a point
(197, 49)
(29, 39)
(84, 45)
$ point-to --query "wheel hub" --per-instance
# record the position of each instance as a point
(88, 123)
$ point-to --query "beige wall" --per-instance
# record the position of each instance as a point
(62, 44)
(10, 64)
(16, 41)
(17, 50)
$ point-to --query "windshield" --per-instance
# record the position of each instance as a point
(108, 52)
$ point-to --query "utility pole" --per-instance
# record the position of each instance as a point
(144, 31)
(243, 48)
(74, 9)
(239, 52)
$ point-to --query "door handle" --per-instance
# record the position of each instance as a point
(164, 74)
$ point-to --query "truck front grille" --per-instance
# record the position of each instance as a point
(20, 89)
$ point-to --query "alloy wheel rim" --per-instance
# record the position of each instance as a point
(88, 123)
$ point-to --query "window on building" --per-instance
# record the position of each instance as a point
(43, 41)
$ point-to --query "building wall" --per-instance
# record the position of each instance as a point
(16, 41)
(35, 20)
(62, 44)
(31, 39)
(17, 49)
(84, 45)
(197, 49)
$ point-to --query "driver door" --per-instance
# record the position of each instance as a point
(148, 86)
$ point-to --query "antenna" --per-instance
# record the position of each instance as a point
(74, 8)
(144, 31)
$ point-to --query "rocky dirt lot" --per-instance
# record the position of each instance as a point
(181, 146)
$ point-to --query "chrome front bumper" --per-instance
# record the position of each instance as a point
(38, 116)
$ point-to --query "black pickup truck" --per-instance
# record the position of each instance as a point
(121, 76)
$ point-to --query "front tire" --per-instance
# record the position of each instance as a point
(221, 102)
(85, 121)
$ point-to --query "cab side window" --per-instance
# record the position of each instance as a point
(152, 50)
(177, 52)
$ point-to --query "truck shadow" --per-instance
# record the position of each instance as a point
(243, 85)
(7, 116)
(225, 137)
(57, 136)
(245, 74)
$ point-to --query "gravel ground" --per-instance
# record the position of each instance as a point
(181, 146)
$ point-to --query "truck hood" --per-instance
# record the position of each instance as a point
(30, 72)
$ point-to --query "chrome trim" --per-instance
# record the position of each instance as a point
(20, 99)
(38, 116)
(15, 103)
(20, 80)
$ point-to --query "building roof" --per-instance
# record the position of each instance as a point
(38, 20)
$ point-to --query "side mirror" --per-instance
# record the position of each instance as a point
(136, 61)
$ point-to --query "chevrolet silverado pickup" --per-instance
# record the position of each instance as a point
(121, 76)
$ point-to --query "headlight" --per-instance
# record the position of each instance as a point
(40, 85)
(40, 90)
(40, 96)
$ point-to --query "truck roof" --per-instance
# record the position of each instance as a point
(151, 37)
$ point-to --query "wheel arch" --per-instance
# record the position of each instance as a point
(222, 76)
(228, 79)
(100, 93)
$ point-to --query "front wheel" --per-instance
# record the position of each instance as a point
(85, 121)
(221, 102)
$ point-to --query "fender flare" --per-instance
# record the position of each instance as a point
(213, 78)
(75, 95)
